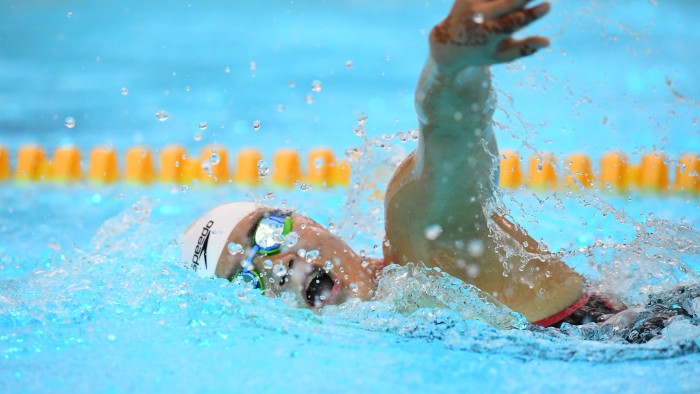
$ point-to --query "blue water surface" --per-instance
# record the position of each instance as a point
(94, 298)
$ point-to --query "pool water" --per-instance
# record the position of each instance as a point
(93, 295)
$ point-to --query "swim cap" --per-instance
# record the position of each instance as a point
(204, 241)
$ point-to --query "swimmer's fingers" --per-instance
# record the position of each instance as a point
(497, 8)
(511, 49)
(513, 21)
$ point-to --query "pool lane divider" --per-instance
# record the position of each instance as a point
(616, 173)
(175, 166)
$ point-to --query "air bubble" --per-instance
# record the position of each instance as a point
(269, 196)
(267, 264)
(69, 14)
(354, 288)
(162, 116)
(301, 253)
(478, 18)
(253, 66)
(432, 232)
(206, 166)
(309, 99)
(305, 187)
(203, 126)
(234, 249)
(263, 168)
(348, 64)
(125, 91)
(227, 70)
(292, 84)
(184, 189)
(316, 86)
(256, 125)
(70, 122)
(197, 137)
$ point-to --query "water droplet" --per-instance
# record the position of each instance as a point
(70, 122)
(348, 64)
(234, 248)
(432, 232)
(263, 168)
(292, 84)
(162, 116)
(311, 255)
(125, 91)
(327, 266)
(316, 86)
(197, 137)
(478, 18)
(309, 99)
(267, 264)
(203, 126)
(279, 269)
(291, 239)
(214, 159)
(473, 270)
(256, 125)
(475, 248)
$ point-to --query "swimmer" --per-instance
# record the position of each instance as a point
(441, 208)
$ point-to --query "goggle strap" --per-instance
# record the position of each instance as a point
(249, 261)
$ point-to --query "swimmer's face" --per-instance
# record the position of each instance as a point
(335, 275)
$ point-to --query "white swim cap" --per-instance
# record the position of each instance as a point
(204, 240)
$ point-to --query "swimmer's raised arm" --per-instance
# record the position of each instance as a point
(437, 205)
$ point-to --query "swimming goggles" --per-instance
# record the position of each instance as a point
(267, 240)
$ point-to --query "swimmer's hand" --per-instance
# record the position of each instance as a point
(478, 33)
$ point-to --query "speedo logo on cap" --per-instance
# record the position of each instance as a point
(201, 248)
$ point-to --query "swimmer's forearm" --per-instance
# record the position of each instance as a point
(449, 100)
(455, 111)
